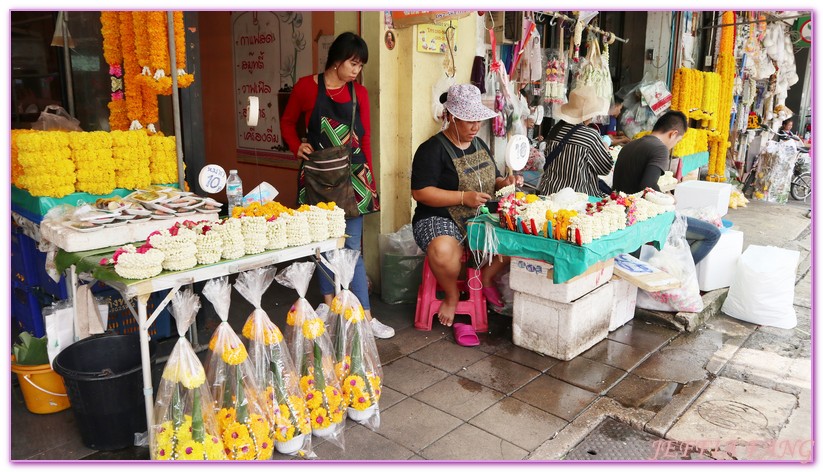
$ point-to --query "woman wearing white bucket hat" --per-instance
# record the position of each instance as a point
(575, 153)
(453, 176)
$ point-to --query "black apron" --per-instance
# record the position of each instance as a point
(328, 127)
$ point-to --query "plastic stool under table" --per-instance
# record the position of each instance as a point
(428, 304)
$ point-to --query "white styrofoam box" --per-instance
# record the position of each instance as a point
(535, 278)
(562, 330)
(624, 302)
(700, 194)
(717, 269)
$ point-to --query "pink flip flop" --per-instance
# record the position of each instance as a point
(465, 335)
(493, 296)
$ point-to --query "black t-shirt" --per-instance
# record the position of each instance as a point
(645, 156)
(433, 167)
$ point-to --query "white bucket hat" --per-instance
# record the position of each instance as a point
(463, 102)
(584, 103)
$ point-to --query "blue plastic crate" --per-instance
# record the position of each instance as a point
(23, 260)
(55, 289)
(122, 321)
(26, 310)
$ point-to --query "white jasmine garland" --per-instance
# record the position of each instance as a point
(276, 233)
(253, 229)
(134, 265)
(297, 230)
(230, 232)
(337, 222)
(209, 247)
(318, 223)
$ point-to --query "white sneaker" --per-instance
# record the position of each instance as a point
(380, 330)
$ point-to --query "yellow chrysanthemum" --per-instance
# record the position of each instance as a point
(306, 383)
(214, 448)
(360, 400)
(260, 426)
(225, 417)
(292, 316)
(190, 450)
(337, 416)
(164, 451)
(337, 305)
(164, 433)
(236, 435)
(355, 315)
(283, 412)
(234, 354)
(519, 195)
(320, 418)
(193, 379)
(314, 398)
(313, 329)
(353, 382)
(335, 397)
(531, 198)
(341, 369)
(284, 432)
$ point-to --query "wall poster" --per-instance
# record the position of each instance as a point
(271, 50)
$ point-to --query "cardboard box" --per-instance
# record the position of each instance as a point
(562, 330)
(700, 194)
(535, 278)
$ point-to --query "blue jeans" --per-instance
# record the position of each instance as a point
(701, 236)
(359, 285)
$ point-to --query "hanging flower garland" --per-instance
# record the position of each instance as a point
(131, 71)
(159, 52)
(726, 68)
(113, 54)
(184, 79)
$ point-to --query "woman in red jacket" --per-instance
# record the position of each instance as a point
(326, 101)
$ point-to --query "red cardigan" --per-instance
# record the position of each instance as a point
(302, 99)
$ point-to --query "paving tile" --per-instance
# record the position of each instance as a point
(409, 376)
(527, 358)
(470, 443)
(414, 425)
(363, 444)
(459, 396)
(555, 396)
(500, 374)
(448, 356)
(615, 354)
(587, 374)
(492, 343)
(647, 336)
(520, 423)
(404, 342)
(734, 410)
(389, 397)
(637, 392)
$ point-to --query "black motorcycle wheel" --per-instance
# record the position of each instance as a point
(802, 186)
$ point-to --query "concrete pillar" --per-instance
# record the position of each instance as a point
(658, 39)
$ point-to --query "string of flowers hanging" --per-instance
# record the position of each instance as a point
(131, 71)
(726, 68)
(114, 58)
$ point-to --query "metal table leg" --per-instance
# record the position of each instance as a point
(145, 357)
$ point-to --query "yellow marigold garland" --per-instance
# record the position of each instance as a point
(163, 160)
(92, 156)
(131, 71)
(131, 151)
(45, 157)
(159, 53)
(17, 170)
(113, 53)
(184, 79)
(726, 68)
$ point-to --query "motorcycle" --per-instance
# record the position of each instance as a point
(801, 187)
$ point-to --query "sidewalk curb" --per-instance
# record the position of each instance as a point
(682, 321)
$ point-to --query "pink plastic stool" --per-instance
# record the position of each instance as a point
(428, 303)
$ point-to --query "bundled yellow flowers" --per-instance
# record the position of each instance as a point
(16, 168)
(131, 151)
(693, 142)
(45, 157)
(726, 68)
(91, 153)
(163, 159)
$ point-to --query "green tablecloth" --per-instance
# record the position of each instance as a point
(694, 161)
(570, 260)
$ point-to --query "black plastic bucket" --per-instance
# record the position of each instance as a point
(104, 382)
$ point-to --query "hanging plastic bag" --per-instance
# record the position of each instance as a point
(314, 357)
(56, 118)
(274, 370)
(185, 426)
(241, 415)
(676, 260)
(358, 363)
(592, 72)
(59, 320)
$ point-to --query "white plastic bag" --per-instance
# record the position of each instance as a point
(274, 370)
(676, 260)
(358, 363)
(762, 291)
(314, 357)
(185, 427)
(59, 319)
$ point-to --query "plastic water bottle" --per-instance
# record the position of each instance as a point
(234, 191)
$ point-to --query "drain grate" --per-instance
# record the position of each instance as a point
(613, 440)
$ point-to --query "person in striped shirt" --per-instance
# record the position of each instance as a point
(575, 154)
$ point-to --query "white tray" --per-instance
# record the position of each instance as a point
(71, 240)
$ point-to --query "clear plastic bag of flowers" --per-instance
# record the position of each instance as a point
(241, 416)
(358, 363)
(314, 357)
(274, 370)
(185, 424)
